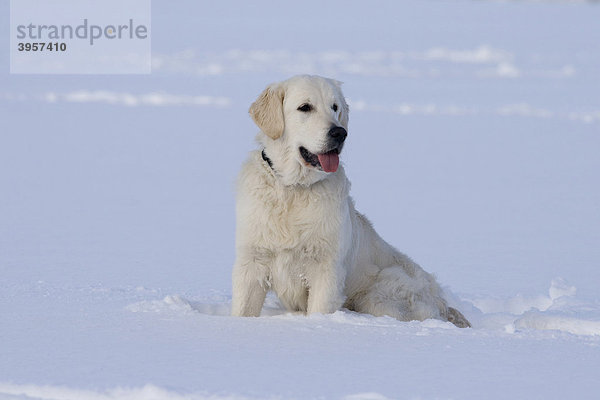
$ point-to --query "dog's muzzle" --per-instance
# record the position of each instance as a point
(329, 159)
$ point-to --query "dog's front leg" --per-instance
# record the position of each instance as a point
(326, 289)
(249, 289)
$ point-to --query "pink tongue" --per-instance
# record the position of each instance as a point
(329, 161)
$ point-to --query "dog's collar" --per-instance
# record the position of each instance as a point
(267, 159)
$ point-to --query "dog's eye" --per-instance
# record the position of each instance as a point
(334, 107)
(305, 107)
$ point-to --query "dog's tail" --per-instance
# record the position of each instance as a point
(457, 318)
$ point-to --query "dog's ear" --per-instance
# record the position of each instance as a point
(267, 111)
(344, 109)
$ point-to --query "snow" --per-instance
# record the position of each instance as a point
(128, 99)
(117, 206)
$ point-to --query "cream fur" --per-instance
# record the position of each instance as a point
(298, 232)
(267, 111)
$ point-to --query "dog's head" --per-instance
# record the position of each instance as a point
(304, 123)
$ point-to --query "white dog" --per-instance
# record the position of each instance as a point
(298, 233)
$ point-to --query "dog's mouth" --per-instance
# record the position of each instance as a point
(328, 161)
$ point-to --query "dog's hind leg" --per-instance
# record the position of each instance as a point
(397, 294)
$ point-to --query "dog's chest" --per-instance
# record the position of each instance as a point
(303, 219)
(301, 232)
(291, 227)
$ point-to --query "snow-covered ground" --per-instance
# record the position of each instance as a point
(117, 206)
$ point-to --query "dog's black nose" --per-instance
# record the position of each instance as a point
(337, 134)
